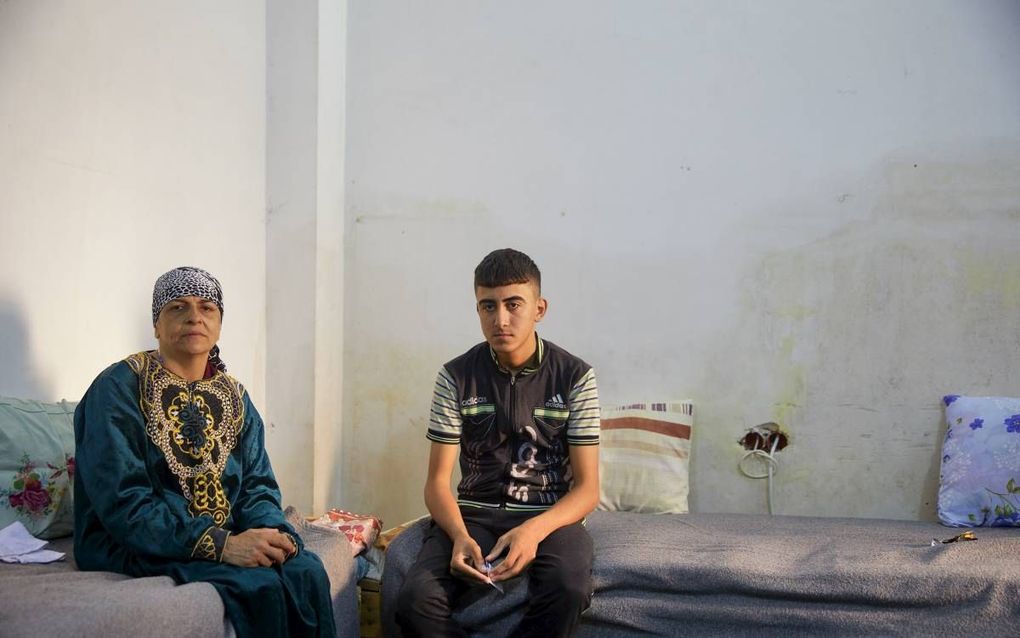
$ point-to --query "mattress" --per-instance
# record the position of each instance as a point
(758, 575)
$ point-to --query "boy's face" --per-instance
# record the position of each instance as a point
(508, 315)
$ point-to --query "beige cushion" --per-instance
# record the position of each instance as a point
(643, 461)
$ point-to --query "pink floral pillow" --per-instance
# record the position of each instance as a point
(361, 530)
(37, 466)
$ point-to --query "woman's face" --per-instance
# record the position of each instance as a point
(188, 327)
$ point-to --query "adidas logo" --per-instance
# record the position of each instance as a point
(556, 402)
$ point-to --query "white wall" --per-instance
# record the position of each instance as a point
(304, 248)
(794, 211)
(132, 140)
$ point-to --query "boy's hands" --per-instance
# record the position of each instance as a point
(466, 559)
(522, 542)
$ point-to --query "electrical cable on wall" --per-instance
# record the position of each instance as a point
(757, 441)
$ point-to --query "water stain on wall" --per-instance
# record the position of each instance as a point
(414, 292)
(850, 340)
(389, 404)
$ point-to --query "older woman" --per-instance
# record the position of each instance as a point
(173, 478)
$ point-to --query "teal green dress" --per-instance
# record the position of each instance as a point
(165, 470)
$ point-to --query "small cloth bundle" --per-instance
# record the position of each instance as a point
(18, 546)
(361, 530)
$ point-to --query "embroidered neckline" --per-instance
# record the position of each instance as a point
(195, 425)
(157, 356)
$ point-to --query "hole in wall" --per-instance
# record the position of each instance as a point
(764, 436)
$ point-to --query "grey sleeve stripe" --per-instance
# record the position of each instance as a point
(584, 384)
(584, 421)
(443, 389)
(445, 422)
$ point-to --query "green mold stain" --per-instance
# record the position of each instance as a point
(982, 276)
(792, 390)
(796, 312)
(791, 396)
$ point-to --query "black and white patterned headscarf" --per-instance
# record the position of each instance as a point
(185, 281)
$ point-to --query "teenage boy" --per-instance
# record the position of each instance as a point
(524, 414)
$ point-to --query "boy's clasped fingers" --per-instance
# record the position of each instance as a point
(466, 555)
(520, 547)
(512, 566)
(461, 567)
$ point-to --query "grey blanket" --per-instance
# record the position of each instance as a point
(58, 600)
(750, 575)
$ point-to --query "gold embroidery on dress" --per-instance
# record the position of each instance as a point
(205, 548)
(208, 496)
(196, 426)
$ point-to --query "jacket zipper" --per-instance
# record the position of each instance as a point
(511, 439)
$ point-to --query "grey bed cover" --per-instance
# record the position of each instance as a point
(756, 575)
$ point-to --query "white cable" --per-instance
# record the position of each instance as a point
(771, 467)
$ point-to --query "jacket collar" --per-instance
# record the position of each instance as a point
(531, 366)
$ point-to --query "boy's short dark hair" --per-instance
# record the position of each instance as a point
(507, 266)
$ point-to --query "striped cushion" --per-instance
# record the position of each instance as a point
(643, 461)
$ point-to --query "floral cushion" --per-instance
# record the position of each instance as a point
(980, 479)
(37, 466)
(361, 530)
(643, 457)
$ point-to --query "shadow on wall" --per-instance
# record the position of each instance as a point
(928, 506)
(18, 377)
